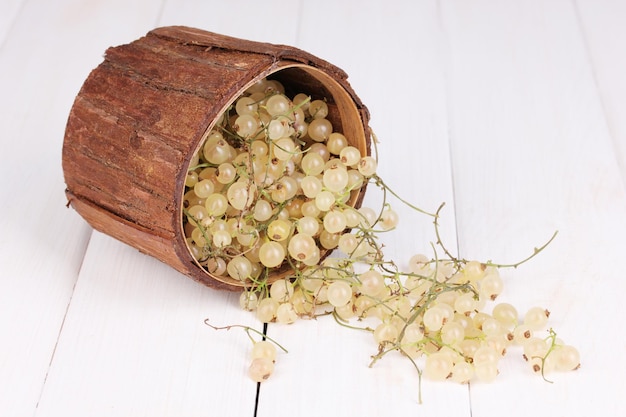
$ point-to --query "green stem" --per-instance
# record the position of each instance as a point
(343, 323)
(247, 329)
(383, 185)
(419, 376)
(438, 236)
(198, 225)
(536, 251)
(552, 338)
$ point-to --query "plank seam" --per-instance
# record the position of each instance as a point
(446, 51)
(594, 76)
(4, 37)
(60, 332)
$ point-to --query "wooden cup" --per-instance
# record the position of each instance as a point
(143, 113)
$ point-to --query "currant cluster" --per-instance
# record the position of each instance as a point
(272, 185)
(434, 314)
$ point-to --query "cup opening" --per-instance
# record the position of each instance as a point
(344, 116)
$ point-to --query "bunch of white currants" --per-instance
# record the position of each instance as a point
(272, 185)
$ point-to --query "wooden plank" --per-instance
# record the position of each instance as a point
(134, 343)
(602, 25)
(9, 9)
(274, 22)
(135, 327)
(532, 153)
(48, 52)
(512, 86)
(395, 65)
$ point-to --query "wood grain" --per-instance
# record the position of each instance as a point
(43, 243)
(508, 111)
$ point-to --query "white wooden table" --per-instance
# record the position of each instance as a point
(512, 112)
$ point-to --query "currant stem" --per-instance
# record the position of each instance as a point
(247, 329)
(438, 236)
(343, 323)
(382, 353)
(552, 338)
(379, 181)
(536, 252)
(419, 376)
